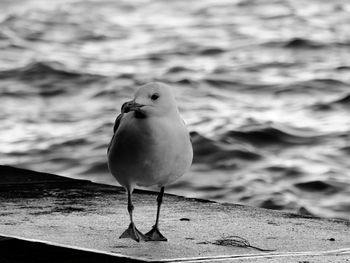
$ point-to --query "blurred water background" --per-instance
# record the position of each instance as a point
(262, 84)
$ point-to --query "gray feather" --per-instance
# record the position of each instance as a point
(116, 125)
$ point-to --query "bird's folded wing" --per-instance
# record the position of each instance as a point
(115, 128)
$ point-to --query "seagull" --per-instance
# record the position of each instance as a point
(150, 146)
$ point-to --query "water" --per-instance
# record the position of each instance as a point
(262, 85)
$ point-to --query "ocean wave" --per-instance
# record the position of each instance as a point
(221, 82)
(287, 172)
(211, 51)
(45, 79)
(44, 69)
(318, 186)
(270, 135)
(324, 86)
(303, 43)
(346, 149)
(342, 68)
(343, 100)
(296, 43)
(224, 82)
(218, 154)
(178, 69)
(274, 65)
(96, 168)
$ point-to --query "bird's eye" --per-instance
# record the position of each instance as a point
(155, 96)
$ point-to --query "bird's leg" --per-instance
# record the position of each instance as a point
(154, 234)
(132, 232)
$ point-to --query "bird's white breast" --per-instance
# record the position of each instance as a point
(150, 151)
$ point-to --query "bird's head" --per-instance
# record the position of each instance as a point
(152, 99)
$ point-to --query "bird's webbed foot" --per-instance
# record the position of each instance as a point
(155, 235)
(133, 233)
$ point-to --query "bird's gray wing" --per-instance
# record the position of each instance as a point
(115, 128)
(116, 124)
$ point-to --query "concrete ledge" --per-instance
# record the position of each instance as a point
(31, 251)
(60, 216)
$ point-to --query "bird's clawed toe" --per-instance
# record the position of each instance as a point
(155, 235)
(133, 233)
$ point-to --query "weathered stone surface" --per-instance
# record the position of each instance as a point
(91, 216)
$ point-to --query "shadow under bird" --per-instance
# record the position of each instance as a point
(150, 146)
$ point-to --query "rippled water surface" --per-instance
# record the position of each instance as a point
(263, 86)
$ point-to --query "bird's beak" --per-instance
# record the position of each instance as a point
(131, 106)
